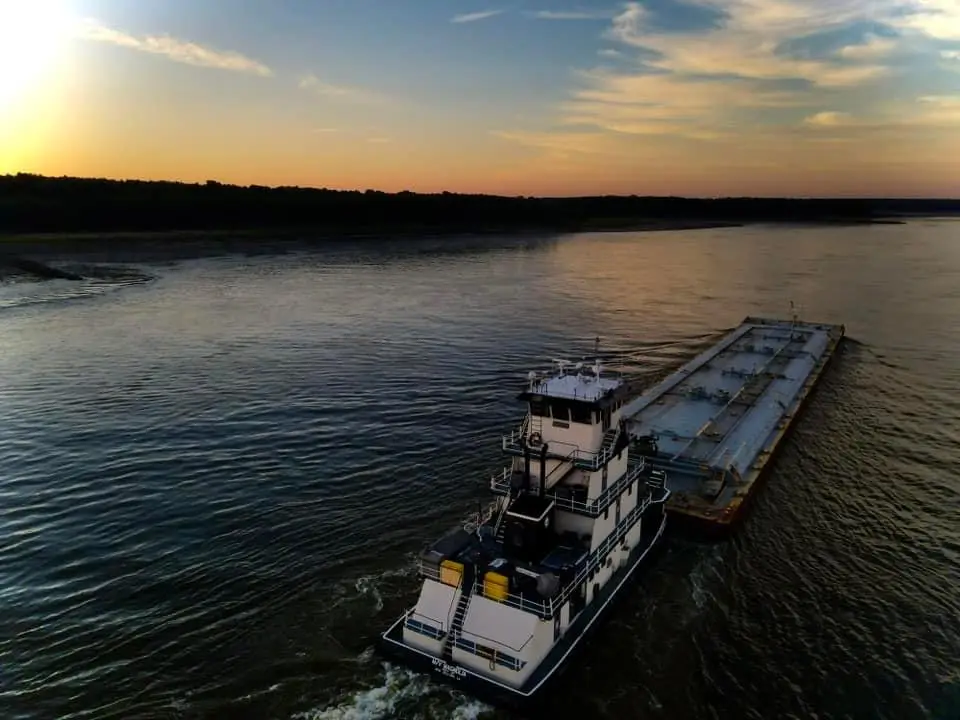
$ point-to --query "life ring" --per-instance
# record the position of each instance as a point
(535, 438)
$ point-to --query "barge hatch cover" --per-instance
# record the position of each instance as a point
(718, 419)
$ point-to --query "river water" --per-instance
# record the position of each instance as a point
(214, 484)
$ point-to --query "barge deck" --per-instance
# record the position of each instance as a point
(714, 424)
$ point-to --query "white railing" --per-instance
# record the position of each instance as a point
(483, 517)
(548, 607)
(429, 571)
(585, 459)
(606, 451)
(495, 656)
(593, 507)
(414, 622)
(513, 439)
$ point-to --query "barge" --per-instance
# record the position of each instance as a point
(507, 599)
(715, 423)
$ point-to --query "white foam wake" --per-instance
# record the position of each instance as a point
(402, 689)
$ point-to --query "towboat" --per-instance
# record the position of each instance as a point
(506, 599)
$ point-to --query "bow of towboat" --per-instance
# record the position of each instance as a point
(505, 600)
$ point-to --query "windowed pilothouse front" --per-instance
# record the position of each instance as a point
(569, 425)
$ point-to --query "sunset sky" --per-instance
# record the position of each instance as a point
(700, 97)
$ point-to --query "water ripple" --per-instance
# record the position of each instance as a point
(215, 484)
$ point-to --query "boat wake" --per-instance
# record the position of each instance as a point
(73, 283)
(370, 586)
(402, 693)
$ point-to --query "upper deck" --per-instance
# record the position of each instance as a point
(718, 417)
(586, 384)
(581, 384)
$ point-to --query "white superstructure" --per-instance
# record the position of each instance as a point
(504, 601)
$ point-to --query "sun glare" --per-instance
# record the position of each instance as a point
(33, 33)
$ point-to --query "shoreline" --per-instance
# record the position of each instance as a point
(165, 244)
(13, 242)
(23, 255)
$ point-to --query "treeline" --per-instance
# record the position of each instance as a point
(32, 203)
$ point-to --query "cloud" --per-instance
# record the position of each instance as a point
(828, 118)
(951, 101)
(378, 139)
(718, 81)
(474, 16)
(175, 49)
(321, 130)
(569, 15)
(744, 45)
(562, 145)
(345, 93)
(656, 103)
(874, 47)
(940, 110)
(758, 84)
(939, 19)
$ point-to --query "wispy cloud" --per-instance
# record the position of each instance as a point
(324, 130)
(474, 16)
(570, 15)
(344, 93)
(951, 101)
(709, 82)
(828, 118)
(759, 80)
(178, 50)
(378, 140)
(937, 18)
(663, 104)
(562, 144)
(874, 47)
(744, 45)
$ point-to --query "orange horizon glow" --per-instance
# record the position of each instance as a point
(726, 109)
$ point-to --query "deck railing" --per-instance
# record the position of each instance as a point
(547, 607)
(413, 622)
(591, 508)
(482, 517)
(496, 657)
(584, 459)
(428, 571)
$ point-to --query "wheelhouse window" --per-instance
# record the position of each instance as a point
(581, 413)
(564, 410)
(560, 410)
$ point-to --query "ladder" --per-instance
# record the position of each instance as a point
(608, 439)
(535, 426)
(457, 623)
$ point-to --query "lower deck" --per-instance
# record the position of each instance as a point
(713, 424)
(546, 674)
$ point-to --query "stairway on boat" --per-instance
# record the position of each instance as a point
(609, 438)
(456, 624)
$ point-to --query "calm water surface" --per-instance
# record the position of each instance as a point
(213, 485)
